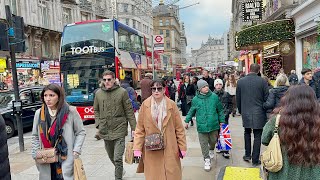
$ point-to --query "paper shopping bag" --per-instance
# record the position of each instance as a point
(79, 173)
(129, 157)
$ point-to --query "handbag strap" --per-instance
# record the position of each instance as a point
(276, 127)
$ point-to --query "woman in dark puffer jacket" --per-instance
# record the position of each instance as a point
(276, 93)
(4, 160)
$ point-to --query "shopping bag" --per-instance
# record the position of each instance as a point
(224, 141)
(79, 173)
(129, 157)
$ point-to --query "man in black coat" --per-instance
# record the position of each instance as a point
(4, 160)
(252, 92)
(210, 81)
(293, 78)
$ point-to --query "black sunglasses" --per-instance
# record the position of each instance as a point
(154, 89)
(105, 80)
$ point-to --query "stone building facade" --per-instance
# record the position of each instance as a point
(210, 54)
(166, 22)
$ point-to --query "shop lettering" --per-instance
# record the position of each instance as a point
(252, 5)
(87, 50)
(28, 65)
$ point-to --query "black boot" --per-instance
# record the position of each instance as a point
(191, 122)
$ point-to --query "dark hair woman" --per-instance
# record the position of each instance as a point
(160, 114)
(186, 94)
(299, 131)
(57, 125)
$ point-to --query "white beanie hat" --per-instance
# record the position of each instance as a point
(218, 81)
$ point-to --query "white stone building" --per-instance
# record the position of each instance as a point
(138, 15)
(210, 54)
(183, 44)
(44, 20)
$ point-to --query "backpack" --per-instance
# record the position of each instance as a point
(134, 104)
(272, 158)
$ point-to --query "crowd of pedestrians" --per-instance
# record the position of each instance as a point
(206, 103)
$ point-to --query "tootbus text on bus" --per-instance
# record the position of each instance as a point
(91, 47)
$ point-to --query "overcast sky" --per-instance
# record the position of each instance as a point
(209, 17)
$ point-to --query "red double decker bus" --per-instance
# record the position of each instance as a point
(88, 49)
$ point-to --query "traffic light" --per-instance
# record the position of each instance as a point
(4, 46)
(18, 26)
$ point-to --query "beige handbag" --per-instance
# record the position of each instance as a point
(47, 156)
(272, 158)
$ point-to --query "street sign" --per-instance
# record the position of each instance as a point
(158, 42)
(158, 39)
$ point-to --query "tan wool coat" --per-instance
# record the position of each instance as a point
(162, 164)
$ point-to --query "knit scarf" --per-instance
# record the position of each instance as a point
(51, 136)
(158, 111)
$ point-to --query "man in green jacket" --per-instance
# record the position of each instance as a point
(209, 115)
(113, 111)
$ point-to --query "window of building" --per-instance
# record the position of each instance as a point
(311, 51)
(84, 16)
(46, 47)
(167, 33)
(167, 22)
(160, 22)
(161, 32)
(127, 21)
(168, 45)
(133, 10)
(67, 19)
(134, 23)
(44, 13)
(125, 7)
(13, 7)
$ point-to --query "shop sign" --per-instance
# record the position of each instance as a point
(270, 51)
(252, 10)
(3, 65)
(28, 65)
(286, 48)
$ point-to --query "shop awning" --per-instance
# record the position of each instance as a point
(127, 61)
(255, 37)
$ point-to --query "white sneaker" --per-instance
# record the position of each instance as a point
(207, 164)
(211, 154)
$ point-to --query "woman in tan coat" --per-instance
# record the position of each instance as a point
(160, 114)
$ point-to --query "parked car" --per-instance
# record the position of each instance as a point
(31, 101)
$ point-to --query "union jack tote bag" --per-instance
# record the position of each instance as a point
(224, 141)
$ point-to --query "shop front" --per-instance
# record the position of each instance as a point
(270, 45)
(307, 33)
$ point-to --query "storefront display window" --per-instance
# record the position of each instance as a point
(311, 51)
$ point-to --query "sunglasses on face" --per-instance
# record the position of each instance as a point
(159, 89)
(105, 80)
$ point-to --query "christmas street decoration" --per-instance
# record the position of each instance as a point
(268, 32)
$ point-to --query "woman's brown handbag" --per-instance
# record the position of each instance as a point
(154, 142)
(47, 156)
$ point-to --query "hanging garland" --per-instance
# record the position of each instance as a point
(267, 32)
(271, 67)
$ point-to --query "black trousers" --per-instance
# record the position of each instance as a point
(185, 107)
(256, 143)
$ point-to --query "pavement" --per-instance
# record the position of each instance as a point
(98, 166)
